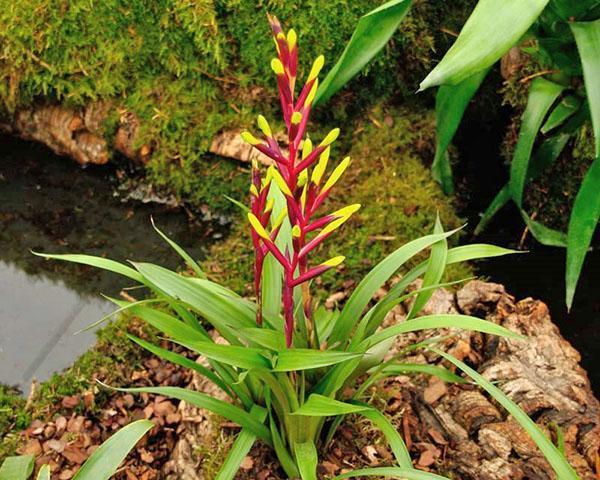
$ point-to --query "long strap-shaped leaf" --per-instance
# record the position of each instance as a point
(321, 406)
(17, 468)
(303, 359)
(372, 33)
(106, 459)
(391, 472)
(560, 465)
(202, 400)
(582, 224)
(491, 30)
(240, 448)
(587, 37)
(542, 94)
(450, 104)
(365, 290)
(306, 459)
(44, 473)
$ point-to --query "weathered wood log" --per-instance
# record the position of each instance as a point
(458, 430)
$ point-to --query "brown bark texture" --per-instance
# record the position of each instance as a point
(454, 430)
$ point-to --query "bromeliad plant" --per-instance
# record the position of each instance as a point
(290, 369)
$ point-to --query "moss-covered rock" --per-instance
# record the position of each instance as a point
(189, 69)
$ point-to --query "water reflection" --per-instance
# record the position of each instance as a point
(48, 203)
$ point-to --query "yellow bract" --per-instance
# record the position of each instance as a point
(257, 226)
(319, 170)
(296, 231)
(334, 262)
(330, 138)
(307, 147)
(277, 66)
(292, 38)
(313, 91)
(296, 118)
(280, 218)
(264, 126)
(249, 138)
(347, 211)
(253, 190)
(302, 178)
(269, 205)
(281, 182)
(316, 68)
(337, 173)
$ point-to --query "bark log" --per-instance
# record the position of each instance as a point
(457, 430)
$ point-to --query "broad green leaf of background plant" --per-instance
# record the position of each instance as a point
(542, 95)
(17, 468)
(106, 459)
(491, 30)
(450, 104)
(558, 462)
(372, 33)
(582, 224)
(587, 37)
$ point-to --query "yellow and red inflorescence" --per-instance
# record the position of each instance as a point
(304, 194)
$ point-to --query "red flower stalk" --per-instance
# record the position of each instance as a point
(303, 195)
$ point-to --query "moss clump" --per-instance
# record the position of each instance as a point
(190, 69)
(399, 201)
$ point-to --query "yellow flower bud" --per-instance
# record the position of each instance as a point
(347, 211)
(334, 262)
(253, 190)
(296, 231)
(316, 68)
(292, 38)
(280, 218)
(337, 173)
(296, 118)
(307, 147)
(249, 138)
(264, 126)
(277, 66)
(313, 92)
(330, 138)
(302, 178)
(257, 226)
(269, 205)
(281, 182)
(320, 167)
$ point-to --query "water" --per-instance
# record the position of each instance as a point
(50, 204)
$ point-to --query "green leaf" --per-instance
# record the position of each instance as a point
(391, 472)
(98, 262)
(304, 359)
(371, 34)
(553, 456)
(451, 102)
(265, 337)
(391, 435)
(168, 324)
(321, 406)
(565, 109)
(545, 156)
(181, 361)
(202, 400)
(17, 468)
(435, 269)
(544, 234)
(381, 273)
(240, 448)
(587, 37)
(447, 320)
(237, 356)
(106, 459)
(439, 372)
(284, 457)
(223, 312)
(488, 33)
(189, 261)
(542, 94)
(582, 224)
(306, 459)
(44, 473)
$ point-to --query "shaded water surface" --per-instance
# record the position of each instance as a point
(49, 204)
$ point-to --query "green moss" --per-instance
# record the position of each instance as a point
(399, 201)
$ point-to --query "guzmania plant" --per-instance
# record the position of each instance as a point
(292, 370)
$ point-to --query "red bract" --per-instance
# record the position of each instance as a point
(303, 195)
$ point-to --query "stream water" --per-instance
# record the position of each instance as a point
(50, 204)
